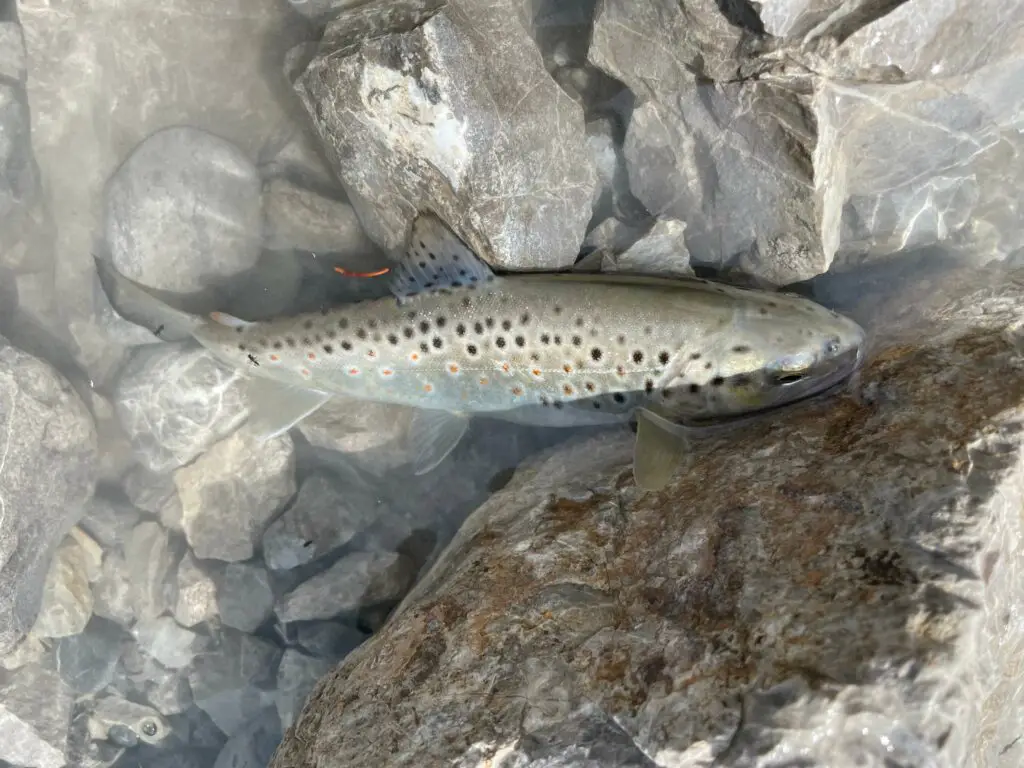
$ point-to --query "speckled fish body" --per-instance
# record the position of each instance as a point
(456, 340)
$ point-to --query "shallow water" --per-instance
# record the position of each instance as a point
(182, 586)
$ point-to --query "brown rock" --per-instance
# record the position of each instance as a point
(834, 583)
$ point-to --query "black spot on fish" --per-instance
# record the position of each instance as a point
(441, 321)
(717, 381)
(424, 347)
(306, 341)
(290, 341)
(471, 350)
(597, 404)
(524, 318)
(489, 322)
(460, 329)
(466, 301)
(424, 326)
(328, 349)
(619, 397)
(520, 341)
(695, 356)
(343, 323)
(241, 347)
(411, 315)
(595, 354)
(663, 357)
(558, 339)
(437, 342)
(740, 349)
(332, 334)
(647, 330)
(621, 339)
(579, 322)
(558, 310)
(638, 357)
(707, 366)
(577, 341)
(545, 338)
(694, 389)
(346, 346)
(762, 310)
(308, 324)
(500, 342)
(361, 333)
(423, 265)
(371, 323)
(506, 325)
(278, 344)
(589, 386)
(649, 386)
(478, 327)
(408, 332)
(392, 339)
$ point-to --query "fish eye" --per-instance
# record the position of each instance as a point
(832, 347)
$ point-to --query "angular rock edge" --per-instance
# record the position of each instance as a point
(852, 566)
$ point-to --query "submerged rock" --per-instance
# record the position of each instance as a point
(452, 110)
(837, 582)
(35, 713)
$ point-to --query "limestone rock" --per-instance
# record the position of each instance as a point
(67, 598)
(35, 712)
(837, 582)
(452, 110)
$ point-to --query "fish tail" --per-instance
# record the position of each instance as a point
(142, 305)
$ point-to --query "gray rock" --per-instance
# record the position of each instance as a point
(298, 218)
(86, 662)
(244, 597)
(326, 515)
(168, 643)
(183, 211)
(141, 678)
(196, 594)
(939, 170)
(230, 493)
(296, 676)
(19, 180)
(320, 9)
(175, 402)
(349, 426)
(296, 156)
(356, 580)
(47, 471)
(805, 587)
(91, 551)
(113, 591)
(662, 250)
(252, 746)
(226, 681)
(150, 491)
(35, 712)
(29, 651)
(12, 52)
(113, 712)
(67, 598)
(149, 558)
(418, 115)
(109, 520)
(327, 640)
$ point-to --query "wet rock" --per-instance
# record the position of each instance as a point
(356, 580)
(35, 712)
(349, 426)
(183, 211)
(149, 558)
(171, 645)
(327, 640)
(417, 115)
(29, 651)
(86, 662)
(154, 493)
(325, 516)
(253, 746)
(296, 676)
(48, 473)
(941, 166)
(299, 158)
(67, 599)
(197, 593)
(227, 681)
(113, 592)
(298, 218)
(661, 251)
(12, 52)
(231, 492)
(244, 597)
(92, 552)
(175, 402)
(141, 678)
(884, 527)
(19, 180)
(130, 721)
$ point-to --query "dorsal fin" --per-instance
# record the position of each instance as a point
(436, 258)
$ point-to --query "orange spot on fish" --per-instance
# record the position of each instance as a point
(387, 372)
(484, 382)
(428, 387)
(305, 372)
(414, 357)
(371, 354)
(274, 358)
(621, 371)
(311, 356)
(567, 368)
(517, 391)
(376, 273)
(567, 389)
(453, 368)
(506, 367)
(536, 372)
(353, 371)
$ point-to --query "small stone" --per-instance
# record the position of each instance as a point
(415, 113)
(350, 426)
(142, 678)
(120, 720)
(87, 662)
(231, 492)
(296, 676)
(67, 598)
(183, 211)
(254, 744)
(48, 473)
(150, 559)
(197, 593)
(171, 645)
(326, 639)
(661, 251)
(226, 681)
(244, 597)
(175, 401)
(35, 713)
(325, 516)
(109, 520)
(361, 579)
(295, 218)
(29, 651)
(113, 591)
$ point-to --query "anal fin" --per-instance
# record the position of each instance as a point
(433, 435)
(276, 407)
(658, 452)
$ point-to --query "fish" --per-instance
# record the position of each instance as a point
(456, 339)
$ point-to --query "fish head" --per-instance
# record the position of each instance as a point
(780, 350)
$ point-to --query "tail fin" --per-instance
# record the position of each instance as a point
(142, 306)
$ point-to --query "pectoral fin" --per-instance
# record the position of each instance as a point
(433, 435)
(658, 451)
(275, 407)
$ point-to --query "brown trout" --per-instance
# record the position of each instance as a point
(556, 349)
